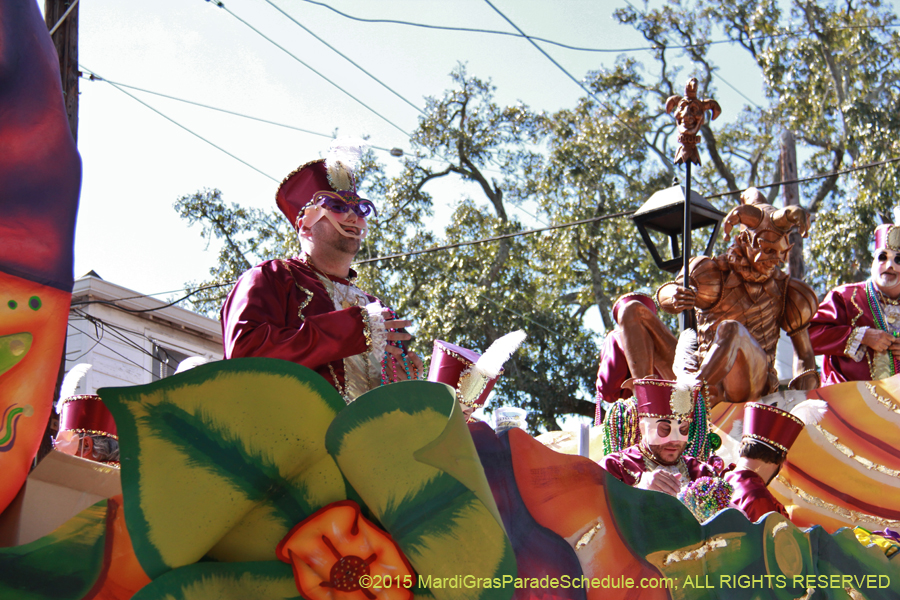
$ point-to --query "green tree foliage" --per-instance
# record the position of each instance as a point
(830, 75)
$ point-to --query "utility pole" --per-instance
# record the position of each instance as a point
(65, 38)
(63, 16)
(791, 196)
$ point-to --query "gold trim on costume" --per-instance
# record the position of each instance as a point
(854, 333)
(94, 432)
(859, 311)
(80, 397)
(766, 441)
(778, 411)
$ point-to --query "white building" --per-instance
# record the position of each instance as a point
(132, 339)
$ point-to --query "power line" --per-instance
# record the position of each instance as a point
(116, 331)
(581, 48)
(295, 57)
(501, 307)
(94, 76)
(226, 111)
(344, 56)
(496, 238)
(583, 87)
(812, 177)
(146, 310)
(140, 366)
(613, 215)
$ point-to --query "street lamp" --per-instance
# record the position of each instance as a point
(664, 213)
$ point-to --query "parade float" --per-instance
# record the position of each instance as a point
(252, 478)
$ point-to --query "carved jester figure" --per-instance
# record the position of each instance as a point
(742, 300)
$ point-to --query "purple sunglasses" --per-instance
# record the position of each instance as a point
(341, 202)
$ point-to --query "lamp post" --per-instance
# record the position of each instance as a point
(664, 213)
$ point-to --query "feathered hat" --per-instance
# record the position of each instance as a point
(83, 413)
(772, 426)
(663, 399)
(334, 174)
(472, 375)
(887, 236)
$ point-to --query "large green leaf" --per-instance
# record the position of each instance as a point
(224, 459)
(406, 450)
(266, 580)
(62, 565)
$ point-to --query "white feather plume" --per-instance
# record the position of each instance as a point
(190, 362)
(810, 411)
(342, 160)
(685, 363)
(490, 364)
(896, 211)
(71, 381)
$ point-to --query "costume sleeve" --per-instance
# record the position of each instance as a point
(752, 496)
(831, 330)
(255, 323)
(755, 506)
(613, 369)
(613, 464)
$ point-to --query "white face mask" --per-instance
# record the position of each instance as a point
(68, 442)
(886, 271)
(657, 432)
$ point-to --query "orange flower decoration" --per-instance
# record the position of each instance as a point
(337, 554)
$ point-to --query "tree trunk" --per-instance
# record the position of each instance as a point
(791, 195)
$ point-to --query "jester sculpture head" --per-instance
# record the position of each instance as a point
(762, 244)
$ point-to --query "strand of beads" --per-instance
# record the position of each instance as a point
(880, 321)
(701, 443)
(389, 358)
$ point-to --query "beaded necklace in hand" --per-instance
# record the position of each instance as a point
(872, 295)
(388, 358)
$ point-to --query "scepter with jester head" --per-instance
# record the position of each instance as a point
(690, 115)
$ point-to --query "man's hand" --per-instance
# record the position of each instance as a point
(414, 362)
(396, 335)
(398, 370)
(683, 298)
(662, 481)
(879, 341)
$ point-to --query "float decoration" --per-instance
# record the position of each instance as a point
(62, 565)
(223, 461)
(40, 175)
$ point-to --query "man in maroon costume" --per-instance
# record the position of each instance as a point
(857, 325)
(613, 370)
(656, 462)
(769, 433)
(307, 309)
